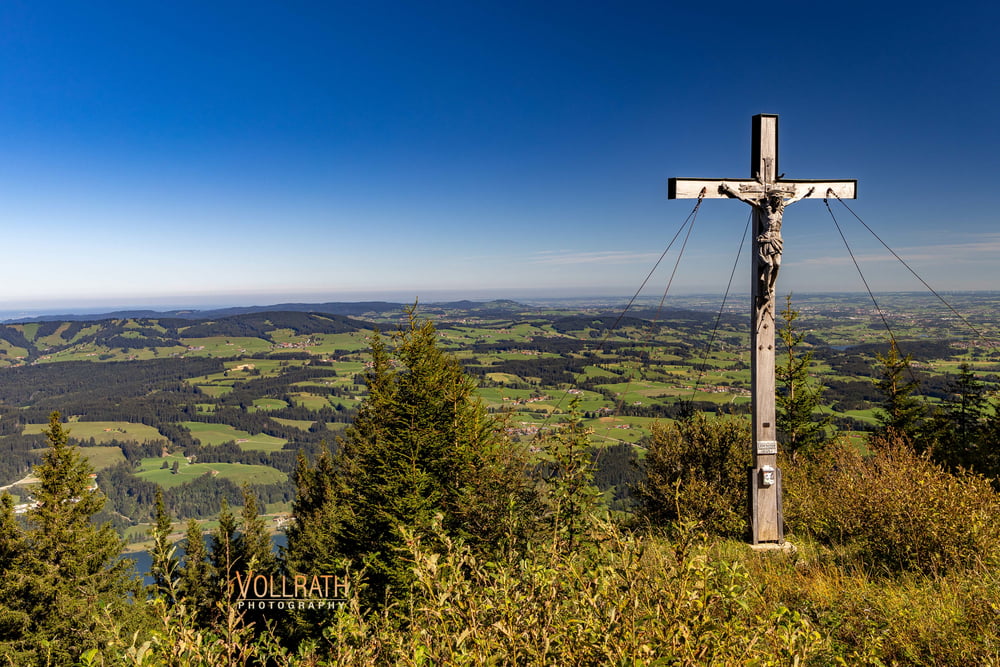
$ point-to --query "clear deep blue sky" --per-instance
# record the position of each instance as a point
(253, 152)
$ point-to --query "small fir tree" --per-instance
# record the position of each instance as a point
(14, 620)
(164, 567)
(252, 555)
(195, 585)
(313, 536)
(223, 557)
(573, 500)
(901, 412)
(798, 399)
(959, 430)
(10, 533)
(252, 546)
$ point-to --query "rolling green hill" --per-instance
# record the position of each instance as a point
(251, 389)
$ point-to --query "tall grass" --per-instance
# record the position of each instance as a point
(894, 508)
(896, 564)
(630, 599)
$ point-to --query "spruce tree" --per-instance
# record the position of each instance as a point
(223, 557)
(422, 447)
(164, 564)
(10, 533)
(966, 407)
(67, 577)
(901, 412)
(14, 621)
(194, 586)
(798, 398)
(252, 554)
(252, 546)
(959, 430)
(313, 535)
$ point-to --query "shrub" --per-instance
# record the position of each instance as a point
(878, 617)
(639, 600)
(696, 470)
(896, 507)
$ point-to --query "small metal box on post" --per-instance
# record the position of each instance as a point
(767, 194)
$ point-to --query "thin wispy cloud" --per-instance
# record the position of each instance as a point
(987, 247)
(599, 257)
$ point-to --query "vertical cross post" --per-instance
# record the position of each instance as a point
(768, 195)
(766, 523)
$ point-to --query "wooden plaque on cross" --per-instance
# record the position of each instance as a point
(768, 194)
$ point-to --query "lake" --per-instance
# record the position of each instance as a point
(144, 561)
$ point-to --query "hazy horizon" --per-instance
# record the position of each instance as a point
(536, 297)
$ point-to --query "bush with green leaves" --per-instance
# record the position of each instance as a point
(895, 508)
(696, 469)
(637, 600)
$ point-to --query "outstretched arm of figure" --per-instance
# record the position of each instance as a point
(727, 189)
(799, 195)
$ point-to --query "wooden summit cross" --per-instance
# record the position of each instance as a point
(768, 194)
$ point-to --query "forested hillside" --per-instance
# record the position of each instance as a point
(251, 389)
(469, 514)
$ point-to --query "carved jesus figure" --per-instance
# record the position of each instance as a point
(770, 206)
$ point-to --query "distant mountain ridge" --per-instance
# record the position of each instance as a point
(344, 308)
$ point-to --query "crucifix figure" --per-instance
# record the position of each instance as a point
(768, 194)
(769, 244)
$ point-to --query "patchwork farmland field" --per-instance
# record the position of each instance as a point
(234, 399)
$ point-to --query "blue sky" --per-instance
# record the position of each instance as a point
(234, 153)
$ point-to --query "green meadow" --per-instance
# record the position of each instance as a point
(216, 434)
(312, 401)
(101, 457)
(152, 470)
(301, 424)
(102, 431)
(226, 346)
(268, 404)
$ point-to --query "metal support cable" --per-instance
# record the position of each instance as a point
(722, 308)
(692, 216)
(689, 223)
(878, 309)
(915, 274)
